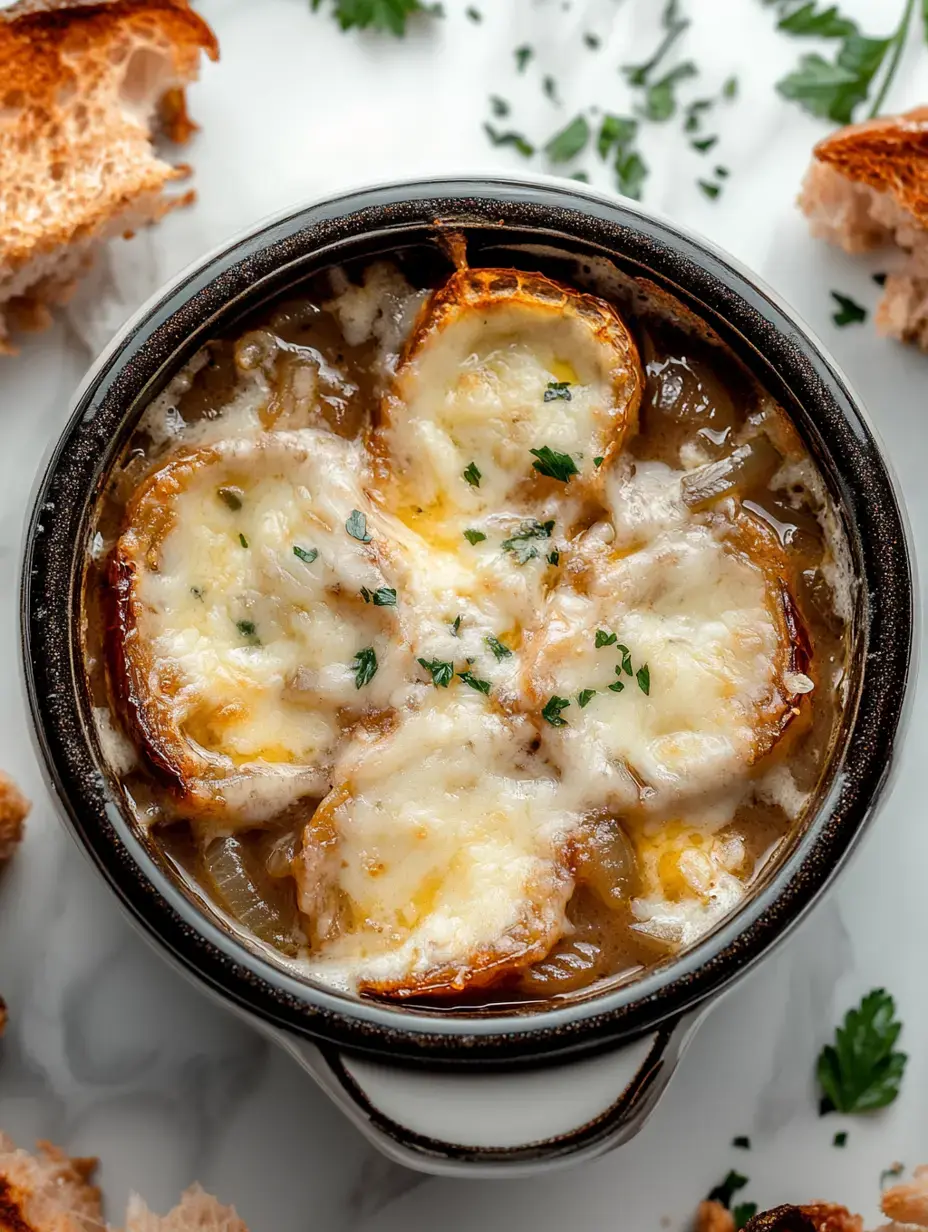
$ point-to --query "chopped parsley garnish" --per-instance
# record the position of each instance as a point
(726, 1190)
(555, 390)
(808, 19)
(231, 497)
(307, 556)
(356, 526)
(499, 650)
(709, 189)
(743, 1213)
(243, 541)
(840, 1138)
(456, 627)
(570, 141)
(593, 41)
(617, 686)
(248, 629)
(482, 686)
(660, 100)
(862, 1070)
(722, 173)
(615, 131)
(516, 140)
(388, 16)
(364, 667)
(523, 55)
(643, 676)
(549, 85)
(475, 15)
(499, 106)
(521, 544)
(554, 465)
(553, 558)
(704, 144)
(472, 475)
(848, 312)
(742, 1143)
(674, 25)
(552, 710)
(441, 671)
(694, 113)
(730, 88)
(585, 696)
(604, 638)
(474, 536)
(631, 171)
(597, 462)
(580, 176)
(891, 1174)
(880, 279)
(197, 592)
(384, 597)
(626, 660)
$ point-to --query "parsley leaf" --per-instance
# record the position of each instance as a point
(549, 85)
(472, 475)
(356, 526)
(523, 55)
(499, 106)
(474, 536)
(833, 90)
(726, 1190)
(456, 627)
(840, 1139)
(307, 556)
(243, 541)
(626, 660)
(660, 100)
(556, 390)
(554, 465)
(249, 630)
(643, 676)
(604, 638)
(631, 171)
(742, 1213)
(848, 312)
(441, 671)
(553, 558)
(474, 15)
(861, 1071)
(231, 497)
(694, 113)
(385, 15)
(384, 597)
(674, 25)
(499, 650)
(730, 88)
(553, 708)
(742, 1143)
(570, 141)
(520, 544)
(704, 144)
(364, 667)
(711, 190)
(482, 686)
(615, 131)
(809, 20)
(617, 686)
(516, 140)
(585, 696)
(593, 41)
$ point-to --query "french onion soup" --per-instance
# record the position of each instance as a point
(466, 636)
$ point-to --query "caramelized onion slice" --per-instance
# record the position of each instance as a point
(226, 863)
(572, 964)
(745, 468)
(606, 861)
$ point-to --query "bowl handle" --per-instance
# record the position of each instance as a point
(499, 1122)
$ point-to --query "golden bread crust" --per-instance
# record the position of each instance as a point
(907, 1202)
(47, 1192)
(14, 809)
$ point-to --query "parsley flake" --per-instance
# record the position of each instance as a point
(499, 650)
(809, 20)
(456, 627)
(482, 686)
(604, 638)
(472, 475)
(848, 312)
(597, 462)
(743, 1213)
(387, 16)
(694, 113)
(593, 41)
(615, 131)
(631, 171)
(243, 541)
(726, 1189)
(356, 526)
(520, 544)
(555, 390)
(553, 558)
(231, 497)
(499, 106)
(523, 55)
(474, 15)
(364, 667)
(616, 687)
(570, 141)
(626, 660)
(840, 1139)
(709, 189)
(730, 88)
(554, 465)
(742, 1143)
(441, 671)
(660, 100)
(552, 710)
(549, 85)
(585, 696)
(247, 628)
(474, 536)
(516, 140)
(307, 556)
(704, 144)
(384, 597)
(862, 1071)
(643, 676)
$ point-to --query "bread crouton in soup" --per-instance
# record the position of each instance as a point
(86, 88)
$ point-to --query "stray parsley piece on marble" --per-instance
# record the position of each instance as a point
(552, 710)
(307, 556)
(848, 312)
(231, 497)
(704, 144)
(604, 638)
(386, 15)
(468, 678)
(631, 171)
(722, 173)
(674, 25)
(384, 597)
(356, 526)
(472, 475)
(593, 41)
(248, 629)
(742, 1143)
(549, 85)
(726, 1190)
(711, 190)
(499, 650)
(556, 390)
(475, 15)
(891, 1174)
(554, 465)
(880, 279)
(742, 1213)
(581, 176)
(499, 106)
(615, 131)
(523, 55)
(730, 88)
(862, 1070)
(840, 1138)
(474, 536)
(694, 113)
(516, 140)
(441, 671)
(819, 23)
(553, 558)
(364, 667)
(660, 100)
(585, 696)
(243, 541)
(643, 676)
(521, 544)
(570, 141)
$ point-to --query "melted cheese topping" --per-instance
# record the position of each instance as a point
(441, 852)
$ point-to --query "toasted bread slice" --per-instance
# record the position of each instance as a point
(14, 809)
(84, 85)
(868, 187)
(241, 603)
(197, 1211)
(500, 364)
(47, 1192)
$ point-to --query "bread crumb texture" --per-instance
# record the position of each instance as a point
(711, 1216)
(86, 88)
(14, 808)
(867, 188)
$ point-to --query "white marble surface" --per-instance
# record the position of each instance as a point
(110, 1052)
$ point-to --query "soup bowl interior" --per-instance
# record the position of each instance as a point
(580, 237)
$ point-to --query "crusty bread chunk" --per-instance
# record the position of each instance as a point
(819, 1217)
(197, 1211)
(47, 1192)
(14, 808)
(711, 1216)
(907, 1203)
(867, 187)
(84, 89)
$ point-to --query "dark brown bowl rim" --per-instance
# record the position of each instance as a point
(163, 335)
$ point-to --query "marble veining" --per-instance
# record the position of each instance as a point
(112, 1052)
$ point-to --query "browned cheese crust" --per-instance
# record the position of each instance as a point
(819, 1217)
